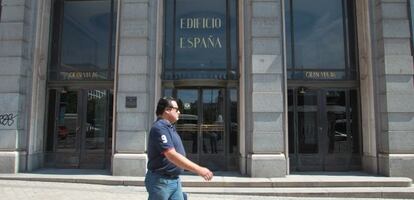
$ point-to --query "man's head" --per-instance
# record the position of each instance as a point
(167, 108)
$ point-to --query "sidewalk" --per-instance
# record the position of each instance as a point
(33, 190)
(353, 184)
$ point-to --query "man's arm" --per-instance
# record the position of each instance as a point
(184, 163)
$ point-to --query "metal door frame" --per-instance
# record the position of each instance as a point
(80, 146)
(322, 122)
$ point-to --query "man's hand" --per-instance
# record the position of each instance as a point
(205, 173)
(183, 163)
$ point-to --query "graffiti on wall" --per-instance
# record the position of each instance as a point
(7, 119)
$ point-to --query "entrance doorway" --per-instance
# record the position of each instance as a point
(79, 128)
(208, 126)
(323, 129)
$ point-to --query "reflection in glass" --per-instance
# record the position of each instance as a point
(67, 122)
(317, 38)
(291, 122)
(85, 35)
(187, 125)
(83, 40)
(411, 2)
(323, 129)
(96, 120)
(109, 128)
(337, 122)
(213, 121)
(354, 121)
(234, 126)
(51, 118)
(322, 27)
(307, 122)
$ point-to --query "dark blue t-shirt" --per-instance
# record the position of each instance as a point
(162, 137)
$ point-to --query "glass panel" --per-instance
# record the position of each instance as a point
(291, 122)
(169, 38)
(322, 27)
(110, 123)
(213, 121)
(168, 92)
(51, 119)
(288, 22)
(234, 126)
(200, 34)
(85, 42)
(200, 39)
(1, 6)
(307, 122)
(318, 39)
(113, 37)
(337, 122)
(412, 21)
(68, 116)
(96, 120)
(233, 41)
(354, 121)
(187, 125)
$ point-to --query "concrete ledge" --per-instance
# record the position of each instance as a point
(129, 164)
(397, 165)
(266, 165)
(374, 192)
(9, 162)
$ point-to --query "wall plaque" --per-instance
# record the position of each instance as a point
(130, 101)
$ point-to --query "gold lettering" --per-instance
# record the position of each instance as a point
(200, 42)
(200, 23)
(181, 42)
(79, 75)
(196, 41)
(320, 75)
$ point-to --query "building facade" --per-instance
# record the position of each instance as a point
(265, 87)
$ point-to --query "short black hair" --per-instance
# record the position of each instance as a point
(164, 103)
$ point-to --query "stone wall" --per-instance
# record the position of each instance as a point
(395, 92)
(15, 74)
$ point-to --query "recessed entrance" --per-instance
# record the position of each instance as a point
(79, 128)
(323, 129)
(208, 126)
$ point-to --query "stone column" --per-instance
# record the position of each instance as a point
(38, 39)
(395, 93)
(264, 90)
(132, 80)
(366, 74)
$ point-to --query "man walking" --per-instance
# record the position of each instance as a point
(166, 155)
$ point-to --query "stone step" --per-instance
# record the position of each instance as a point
(321, 192)
(221, 179)
(292, 181)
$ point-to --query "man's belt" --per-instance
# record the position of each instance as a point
(165, 175)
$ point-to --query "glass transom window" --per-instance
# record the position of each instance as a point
(200, 39)
(320, 40)
(83, 40)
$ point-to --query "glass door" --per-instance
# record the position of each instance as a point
(79, 128)
(96, 128)
(213, 129)
(323, 129)
(202, 126)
